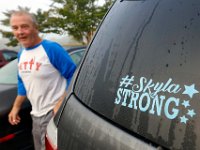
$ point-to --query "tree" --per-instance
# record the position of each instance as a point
(78, 18)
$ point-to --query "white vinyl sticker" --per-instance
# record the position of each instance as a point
(156, 98)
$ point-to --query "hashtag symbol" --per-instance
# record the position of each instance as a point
(126, 81)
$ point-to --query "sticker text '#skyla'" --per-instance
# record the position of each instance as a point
(148, 96)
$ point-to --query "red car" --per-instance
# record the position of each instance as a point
(6, 56)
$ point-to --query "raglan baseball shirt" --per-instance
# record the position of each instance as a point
(44, 72)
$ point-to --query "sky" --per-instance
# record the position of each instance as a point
(34, 5)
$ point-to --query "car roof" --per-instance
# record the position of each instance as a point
(7, 50)
(71, 49)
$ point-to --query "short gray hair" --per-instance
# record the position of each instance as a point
(25, 12)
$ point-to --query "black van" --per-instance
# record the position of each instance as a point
(138, 86)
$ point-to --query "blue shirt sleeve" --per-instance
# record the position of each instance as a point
(21, 89)
(60, 59)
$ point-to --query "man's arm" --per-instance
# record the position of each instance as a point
(13, 116)
(60, 100)
(61, 60)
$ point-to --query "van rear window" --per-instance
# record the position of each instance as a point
(142, 71)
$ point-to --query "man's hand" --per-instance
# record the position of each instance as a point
(13, 116)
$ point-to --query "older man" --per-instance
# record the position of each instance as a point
(44, 72)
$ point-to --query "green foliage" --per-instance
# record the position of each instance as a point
(12, 41)
(78, 18)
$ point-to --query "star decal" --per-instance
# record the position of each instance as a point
(183, 119)
(191, 112)
(190, 90)
(186, 103)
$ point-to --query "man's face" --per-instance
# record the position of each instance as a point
(24, 30)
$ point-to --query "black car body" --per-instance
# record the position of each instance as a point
(139, 84)
(20, 136)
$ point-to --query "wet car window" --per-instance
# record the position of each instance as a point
(142, 71)
(77, 56)
(9, 56)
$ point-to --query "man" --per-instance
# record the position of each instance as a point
(44, 72)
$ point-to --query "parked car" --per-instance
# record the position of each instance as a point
(6, 56)
(20, 136)
(138, 86)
